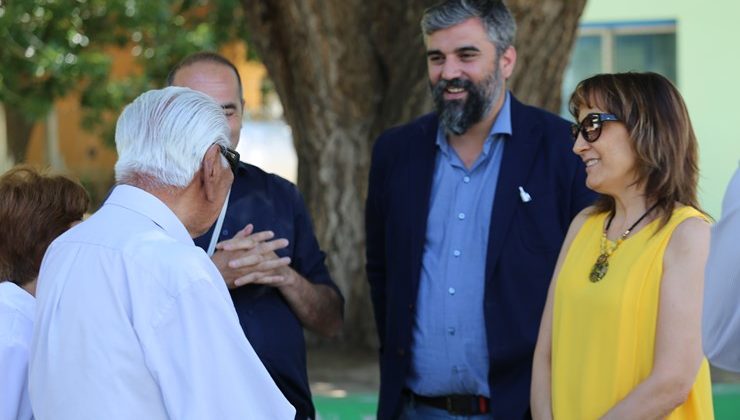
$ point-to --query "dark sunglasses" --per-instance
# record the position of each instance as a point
(590, 127)
(232, 156)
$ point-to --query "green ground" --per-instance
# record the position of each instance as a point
(351, 407)
(362, 406)
(344, 385)
(726, 401)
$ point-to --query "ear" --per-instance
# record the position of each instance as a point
(507, 62)
(212, 170)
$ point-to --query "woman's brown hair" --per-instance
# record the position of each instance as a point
(658, 123)
(35, 208)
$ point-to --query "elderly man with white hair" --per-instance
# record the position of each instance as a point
(133, 320)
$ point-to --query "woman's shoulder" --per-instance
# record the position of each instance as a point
(692, 224)
(690, 230)
(682, 212)
(687, 220)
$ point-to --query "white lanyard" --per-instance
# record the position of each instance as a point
(217, 228)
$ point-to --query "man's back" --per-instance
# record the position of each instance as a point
(135, 322)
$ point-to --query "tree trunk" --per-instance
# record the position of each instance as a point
(546, 31)
(18, 133)
(346, 70)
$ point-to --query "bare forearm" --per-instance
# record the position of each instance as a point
(317, 306)
(678, 354)
(541, 393)
(654, 398)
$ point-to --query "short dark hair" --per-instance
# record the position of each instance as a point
(207, 57)
(658, 123)
(34, 209)
(495, 16)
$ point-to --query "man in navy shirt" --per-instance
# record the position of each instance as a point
(266, 249)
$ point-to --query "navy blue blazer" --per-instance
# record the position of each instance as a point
(523, 245)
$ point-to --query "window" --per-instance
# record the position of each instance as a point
(620, 47)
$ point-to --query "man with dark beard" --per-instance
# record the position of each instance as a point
(466, 211)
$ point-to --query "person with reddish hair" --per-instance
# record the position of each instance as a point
(620, 336)
(35, 208)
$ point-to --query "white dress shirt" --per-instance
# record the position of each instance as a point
(17, 308)
(721, 322)
(134, 322)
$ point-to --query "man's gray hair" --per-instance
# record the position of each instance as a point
(163, 135)
(496, 17)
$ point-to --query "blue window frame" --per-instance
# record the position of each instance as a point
(619, 47)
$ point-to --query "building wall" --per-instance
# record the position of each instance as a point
(708, 59)
(85, 155)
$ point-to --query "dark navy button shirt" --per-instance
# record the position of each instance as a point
(276, 334)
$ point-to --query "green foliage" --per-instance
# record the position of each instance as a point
(49, 48)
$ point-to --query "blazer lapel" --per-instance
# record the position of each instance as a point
(519, 154)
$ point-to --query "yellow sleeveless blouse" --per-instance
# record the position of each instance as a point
(604, 333)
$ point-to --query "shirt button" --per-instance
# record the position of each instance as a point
(461, 216)
(456, 253)
(451, 331)
(451, 290)
(466, 179)
(225, 232)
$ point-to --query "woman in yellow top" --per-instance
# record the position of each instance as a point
(620, 336)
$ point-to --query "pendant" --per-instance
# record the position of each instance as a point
(600, 268)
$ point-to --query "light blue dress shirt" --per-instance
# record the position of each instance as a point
(134, 321)
(450, 352)
(721, 321)
(17, 308)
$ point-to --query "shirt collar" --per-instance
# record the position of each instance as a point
(146, 204)
(18, 298)
(241, 169)
(502, 125)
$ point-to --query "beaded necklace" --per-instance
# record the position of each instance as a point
(601, 266)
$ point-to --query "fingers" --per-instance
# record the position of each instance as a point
(259, 277)
(264, 273)
(273, 264)
(248, 229)
(258, 261)
(262, 252)
(247, 242)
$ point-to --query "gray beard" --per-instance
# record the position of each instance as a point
(457, 116)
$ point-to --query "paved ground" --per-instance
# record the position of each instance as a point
(344, 384)
(720, 376)
(335, 373)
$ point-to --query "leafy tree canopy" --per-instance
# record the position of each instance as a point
(53, 47)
